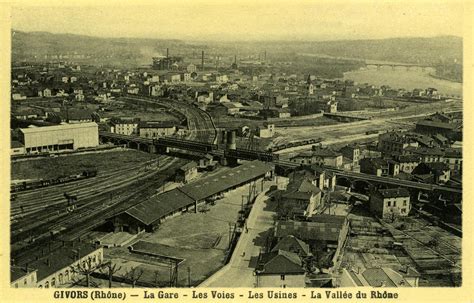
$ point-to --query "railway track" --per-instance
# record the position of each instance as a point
(103, 196)
(40, 200)
(21, 230)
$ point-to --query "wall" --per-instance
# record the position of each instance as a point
(276, 281)
(66, 274)
(82, 136)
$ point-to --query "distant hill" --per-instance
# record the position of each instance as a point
(28, 45)
(434, 50)
(409, 50)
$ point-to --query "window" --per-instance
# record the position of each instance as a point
(24, 282)
(389, 203)
(40, 286)
(405, 202)
(403, 210)
(394, 203)
(46, 284)
(53, 282)
(282, 277)
(16, 285)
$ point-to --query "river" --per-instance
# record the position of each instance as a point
(400, 77)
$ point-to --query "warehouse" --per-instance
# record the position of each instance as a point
(147, 215)
(59, 137)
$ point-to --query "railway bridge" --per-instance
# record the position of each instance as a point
(349, 178)
(162, 145)
(232, 154)
(408, 66)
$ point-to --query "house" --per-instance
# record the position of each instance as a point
(18, 96)
(395, 143)
(276, 113)
(156, 129)
(266, 131)
(379, 167)
(207, 162)
(292, 244)
(186, 172)
(301, 198)
(390, 203)
(439, 172)
(280, 268)
(408, 163)
(351, 155)
(232, 108)
(126, 127)
(17, 148)
(54, 268)
(328, 231)
(319, 155)
(23, 277)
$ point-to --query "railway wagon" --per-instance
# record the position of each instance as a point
(187, 144)
(246, 154)
(29, 185)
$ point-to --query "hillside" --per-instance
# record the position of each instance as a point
(438, 51)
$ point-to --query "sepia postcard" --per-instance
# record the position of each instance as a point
(236, 151)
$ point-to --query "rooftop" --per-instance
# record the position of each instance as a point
(60, 258)
(394, 192)
(221, 181)
(159, 206)
(58, 127)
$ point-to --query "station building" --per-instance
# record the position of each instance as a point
(59, 137)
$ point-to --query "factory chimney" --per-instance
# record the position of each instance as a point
(231, 144)
(223, 136)
(265, 56)
(202, 60)
(167, 52)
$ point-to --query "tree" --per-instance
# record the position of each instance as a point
(111, 270)
(134, 274)
(85, 268)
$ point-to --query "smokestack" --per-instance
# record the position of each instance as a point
(223, 138)
(202, 60)
(265, 56)
(231, 144)
(235, 59)
(167, 52)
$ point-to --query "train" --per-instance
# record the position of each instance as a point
(246, 154)
(294, 144)
(28, 185)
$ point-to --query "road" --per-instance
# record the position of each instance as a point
(239, 271)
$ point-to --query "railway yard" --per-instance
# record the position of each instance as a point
(70, 211)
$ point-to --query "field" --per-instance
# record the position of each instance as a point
(200, 238)
(73, 164)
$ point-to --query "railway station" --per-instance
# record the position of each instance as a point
(148, 215)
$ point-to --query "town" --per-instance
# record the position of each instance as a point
(211, 167)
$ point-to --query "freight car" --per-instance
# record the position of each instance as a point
(29, 185)
(294, 144)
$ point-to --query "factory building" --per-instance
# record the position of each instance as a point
(59, 137)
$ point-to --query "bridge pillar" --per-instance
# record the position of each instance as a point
(152, 149)
(228, 161)
(162, 149)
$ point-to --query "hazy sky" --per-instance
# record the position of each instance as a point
(241, 20)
